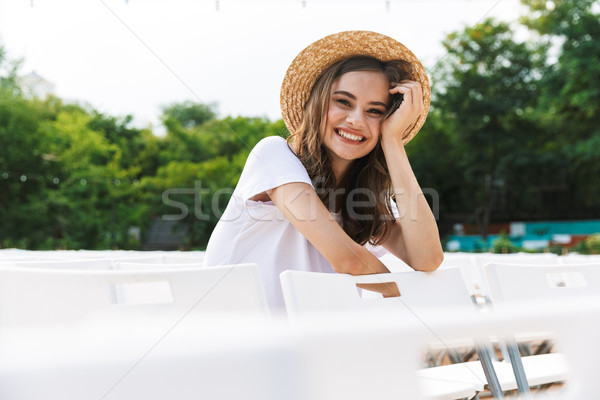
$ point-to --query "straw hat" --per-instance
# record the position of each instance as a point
(311, 62)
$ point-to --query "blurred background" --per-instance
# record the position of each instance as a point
(125, 125)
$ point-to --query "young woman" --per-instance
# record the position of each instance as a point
(325, 201)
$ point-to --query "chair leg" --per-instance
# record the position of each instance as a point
(518, 370)
(490, 373)
(468, 355)
(545, 347)
(503, 350)
(429, 359)
(525, 349)
(455, 356)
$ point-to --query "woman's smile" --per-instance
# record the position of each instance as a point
(350, 135)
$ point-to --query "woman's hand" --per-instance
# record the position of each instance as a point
(412, 106)
(387, 289)
(414, 237)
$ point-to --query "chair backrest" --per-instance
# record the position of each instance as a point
(394, 264)
(313, 292)
(476, 278)
(514, 283)
(4, 259)
(138, 265)
(161, 258)
(183, 259)
(33, 296)
(142, 259)
(76, 264)
(149, 293)
(456, 261)
(580, 259)
(517, 258)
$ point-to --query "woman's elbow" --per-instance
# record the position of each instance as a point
(347, 265)
(429, 263)
(358, 262)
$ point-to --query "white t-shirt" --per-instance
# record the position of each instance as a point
(257, 232)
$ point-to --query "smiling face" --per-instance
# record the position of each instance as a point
(358, 100)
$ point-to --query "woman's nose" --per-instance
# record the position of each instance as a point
(355, 117)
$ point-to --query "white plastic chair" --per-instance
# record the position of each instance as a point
(144, 259)
(575, 321)
(139, 265)
(150, 293)
(306, 293)
(195, 257)
(226, 358)
(312, 293)
(97, 264)
(33, 296)
(519, 284)
(477, 279)
(579, 259)
(394, 264)
(163, 258)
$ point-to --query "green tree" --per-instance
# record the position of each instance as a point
(200, 166)
(569, 106)
(434, 165)
(24, 160)
(188, 114)
(487, 84)
(23, 176)
(8, 74)
(84, 161)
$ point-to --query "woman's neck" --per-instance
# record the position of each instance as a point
(339, 168)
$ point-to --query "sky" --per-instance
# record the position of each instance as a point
(137, 56)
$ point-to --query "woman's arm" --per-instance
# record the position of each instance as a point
(301, 205)
(414, 237)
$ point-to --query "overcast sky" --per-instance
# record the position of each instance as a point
(134, 57)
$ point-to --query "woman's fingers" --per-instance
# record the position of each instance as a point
(387, 289)
(411, 90)
(405, 91)
(413, 95)
(409, 111)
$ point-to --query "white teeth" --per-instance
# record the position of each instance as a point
(349, 136)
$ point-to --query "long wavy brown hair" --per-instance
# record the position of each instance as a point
(367, 179)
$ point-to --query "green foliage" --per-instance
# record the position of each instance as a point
(591, 245)
(512, 134)
(570, 99)
(513, 130)
(72, 177)
(503, 245)
(8, 75)
(487, 87)
(23, 175)
(188, 114)
(199, 169)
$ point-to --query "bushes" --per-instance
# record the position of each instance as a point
(503, 245)
(591, 245)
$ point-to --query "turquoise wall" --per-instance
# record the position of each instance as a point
(568, 227)
(533, 231)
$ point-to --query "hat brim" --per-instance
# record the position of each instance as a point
(311, 62)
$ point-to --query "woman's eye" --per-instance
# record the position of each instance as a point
(343, 102)
(376, 112)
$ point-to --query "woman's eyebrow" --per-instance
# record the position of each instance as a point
(353, 97)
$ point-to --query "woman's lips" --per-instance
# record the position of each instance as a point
(348, 135)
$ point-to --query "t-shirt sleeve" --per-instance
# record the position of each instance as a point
(271, 163)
